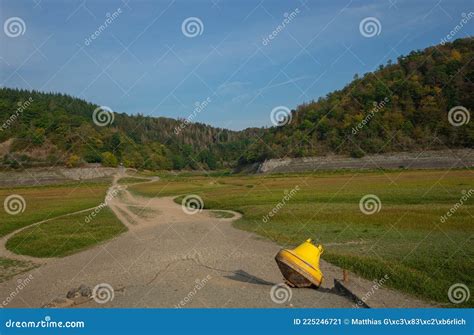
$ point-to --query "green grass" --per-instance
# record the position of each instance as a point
(12, 267)
(405, 240)
(222, 214)
(66, 235)
(45, 202)
(131, 180)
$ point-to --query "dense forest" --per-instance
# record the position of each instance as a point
(42, 129)
(399, 107)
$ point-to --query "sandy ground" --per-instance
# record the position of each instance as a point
(169, 258)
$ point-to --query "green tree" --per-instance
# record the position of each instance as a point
(109, 159)
(73, 161)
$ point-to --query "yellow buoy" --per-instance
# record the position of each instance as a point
(300, 266)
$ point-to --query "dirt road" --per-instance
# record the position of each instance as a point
(169, 258)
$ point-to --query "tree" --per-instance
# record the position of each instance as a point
(73, 161)
(109, 159)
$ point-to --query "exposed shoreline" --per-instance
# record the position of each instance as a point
(441, 159)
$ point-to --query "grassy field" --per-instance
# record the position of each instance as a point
(405, 240)
(221, 214)
(45, 202)
(58, 237)
(131, 180)
(66, 235)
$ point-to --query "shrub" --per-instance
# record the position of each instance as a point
(73, 161)
(109, 159)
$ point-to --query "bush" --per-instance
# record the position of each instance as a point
(357, 153)
(108, 159)
(92, 156)
(73, 161)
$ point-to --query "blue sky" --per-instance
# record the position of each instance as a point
(142, 62)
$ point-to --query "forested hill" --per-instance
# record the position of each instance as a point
(400, 107)
(50, 129)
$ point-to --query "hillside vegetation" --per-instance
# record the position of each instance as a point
(53, 128)
(399, 107)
